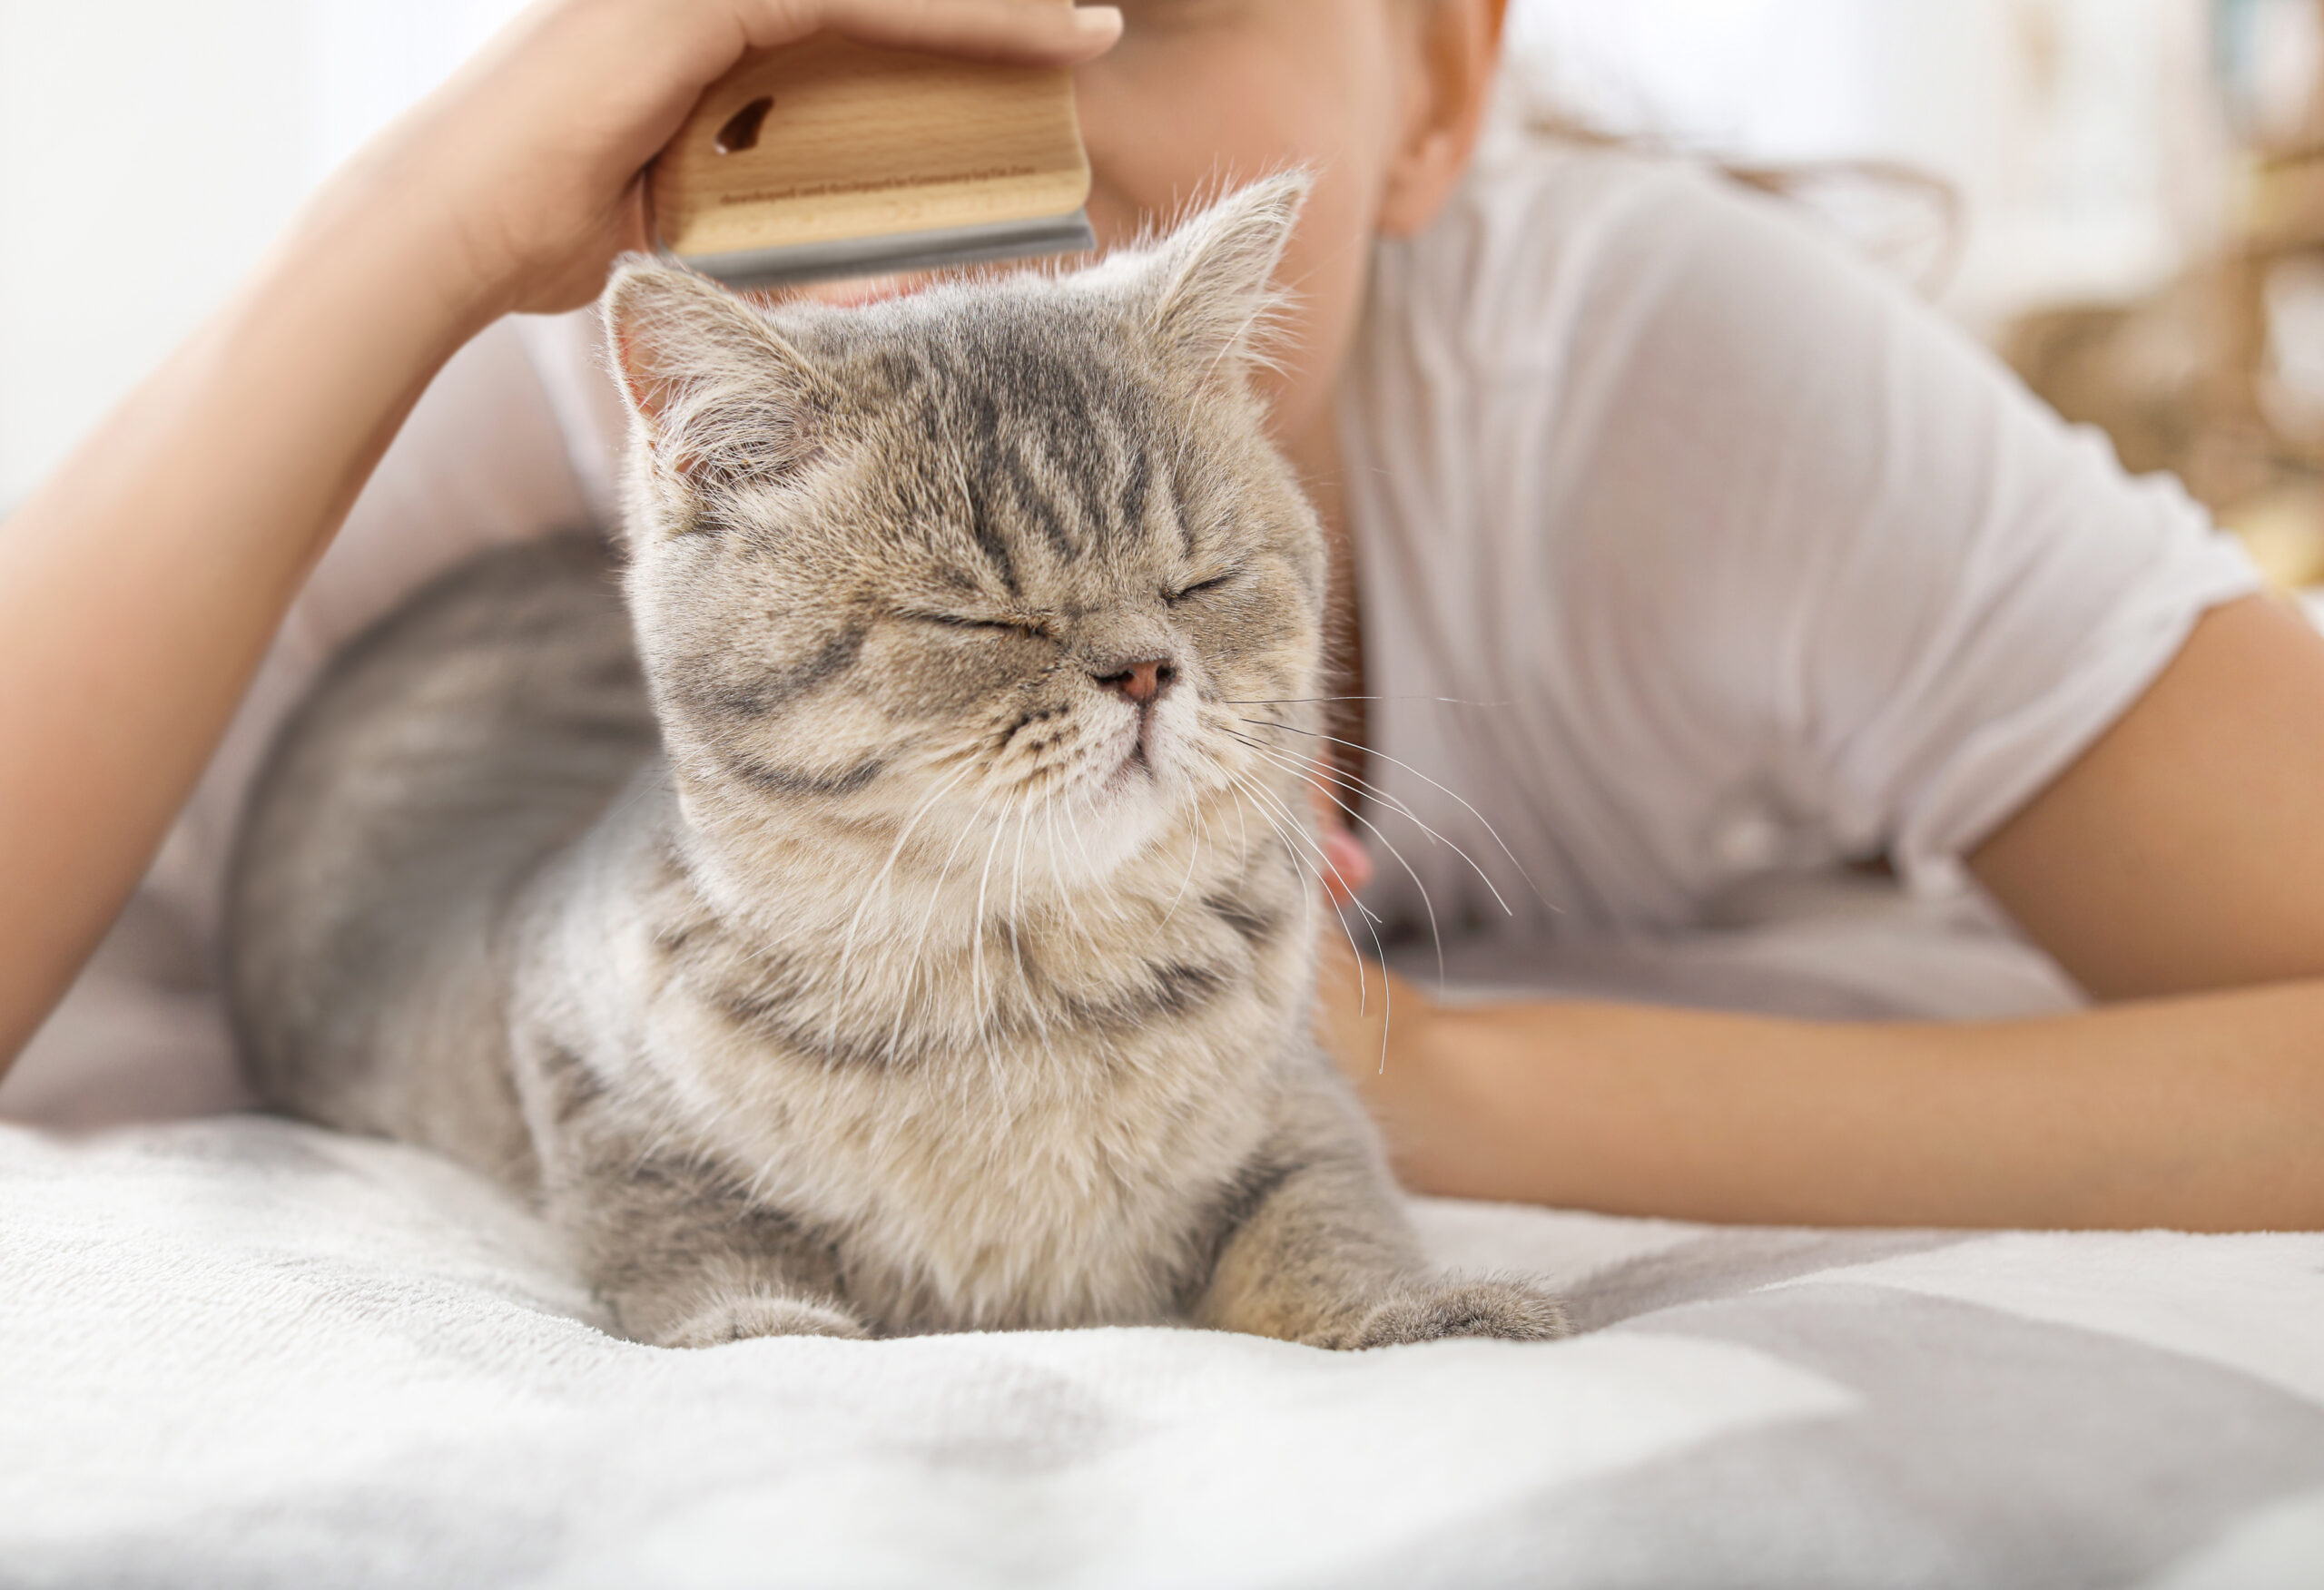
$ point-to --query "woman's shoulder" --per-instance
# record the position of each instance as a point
(1521, 173)
(1551, 240)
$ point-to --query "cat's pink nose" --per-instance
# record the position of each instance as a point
(1141, 683)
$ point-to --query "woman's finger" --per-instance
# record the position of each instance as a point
(525, 164)
(1347, 865)
(1031, 32)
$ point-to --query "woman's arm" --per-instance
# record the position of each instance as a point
(140, 584)
(2177, 866)
(2199, 1113)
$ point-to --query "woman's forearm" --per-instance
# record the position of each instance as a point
(140, 587)
(2199, 1113)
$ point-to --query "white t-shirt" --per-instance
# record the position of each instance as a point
(1750, 557)
(1690, 546)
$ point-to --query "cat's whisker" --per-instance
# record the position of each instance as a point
(1394, 804)
(1291, 816)
(1371, 920)
(1387, 798)
(842, 990)
(1471, 811)
(1258, 797)
(1109, 893)
(1242, 831)
(1230, 774)
(920, 988)
(1362, 981)
(1194, 859)
(979, 993)
(1088, 864)
(1016, 913)
(1057, 872)
(1244, 796)
(1428, 904)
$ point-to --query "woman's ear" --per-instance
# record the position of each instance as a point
(1459, 44)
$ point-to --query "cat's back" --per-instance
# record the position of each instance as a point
(446, 754)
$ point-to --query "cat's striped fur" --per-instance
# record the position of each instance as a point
(912, 944)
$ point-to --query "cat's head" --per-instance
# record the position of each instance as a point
(997, 552)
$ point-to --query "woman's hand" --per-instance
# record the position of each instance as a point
(522, 174)
(521, 177)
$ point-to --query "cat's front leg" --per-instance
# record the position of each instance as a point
(1316, 1248)
(683, 1255)
(688, 1260)
(672, 1240)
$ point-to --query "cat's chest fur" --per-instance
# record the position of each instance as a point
(1029, 1120)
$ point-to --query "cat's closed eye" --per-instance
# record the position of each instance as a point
(1200, 586)
(960, 621)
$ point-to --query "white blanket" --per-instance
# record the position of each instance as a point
(240, 1352)
(243, 1352)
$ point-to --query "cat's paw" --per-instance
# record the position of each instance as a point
(1507, 1311)
(750, 1314)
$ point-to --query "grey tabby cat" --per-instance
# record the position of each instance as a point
(920, 944)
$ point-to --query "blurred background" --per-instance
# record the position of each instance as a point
(2126, 197)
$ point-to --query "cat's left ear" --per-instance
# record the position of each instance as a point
(1211, 292)
(717, 391)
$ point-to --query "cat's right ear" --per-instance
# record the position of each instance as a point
(1211, 298)
(716, 393)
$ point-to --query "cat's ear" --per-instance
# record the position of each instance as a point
(715, 390)
(1210, 293)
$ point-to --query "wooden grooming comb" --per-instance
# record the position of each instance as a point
(830, 158)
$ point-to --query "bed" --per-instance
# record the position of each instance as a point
(240, 1351)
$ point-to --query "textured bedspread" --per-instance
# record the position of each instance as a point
(240, 1353)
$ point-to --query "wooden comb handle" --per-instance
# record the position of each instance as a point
(829, 139)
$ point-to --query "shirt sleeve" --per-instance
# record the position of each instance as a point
(1920, 592)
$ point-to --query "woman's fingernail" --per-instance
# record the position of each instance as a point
(1097, 21)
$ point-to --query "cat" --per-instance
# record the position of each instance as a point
(920, 939)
